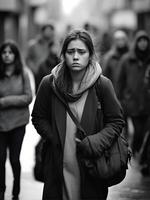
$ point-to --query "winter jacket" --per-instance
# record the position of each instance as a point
(111, 65)
(49, 119)
(133, 92)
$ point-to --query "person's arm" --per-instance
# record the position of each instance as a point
(20, 100)
(106, 65)
(41, 110)
(40, 74)
(31, 58)
(113, 122)
(122, 77)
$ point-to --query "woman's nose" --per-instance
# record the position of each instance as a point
(6, 54)
(75, 56)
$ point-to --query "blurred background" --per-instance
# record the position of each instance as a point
(21, 19)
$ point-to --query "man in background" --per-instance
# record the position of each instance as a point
(38, 48)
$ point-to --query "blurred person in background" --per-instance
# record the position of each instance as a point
(38, 48)
(105, 43)
(133, 93)
(74, 79)
(111, 62)
(15, 97)
(48, 64)
(112, 58)
(94, 32)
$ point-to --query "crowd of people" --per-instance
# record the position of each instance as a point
(125, 68)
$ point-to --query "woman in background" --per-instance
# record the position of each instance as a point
(15, 97)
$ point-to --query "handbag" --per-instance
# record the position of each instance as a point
(38, 169)
(111, 166)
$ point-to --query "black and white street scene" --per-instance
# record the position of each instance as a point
(74, 100)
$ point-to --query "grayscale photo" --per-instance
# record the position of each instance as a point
(74, 99)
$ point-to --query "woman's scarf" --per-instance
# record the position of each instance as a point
(90, 77)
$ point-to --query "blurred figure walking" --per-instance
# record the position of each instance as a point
(38, 48)
(15, 97)
(113, 56)
(48, 64)
(133, 92)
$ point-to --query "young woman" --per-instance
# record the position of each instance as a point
(15, 97)
(74, 79)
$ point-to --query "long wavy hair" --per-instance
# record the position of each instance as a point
(64, 81)
(17, 61)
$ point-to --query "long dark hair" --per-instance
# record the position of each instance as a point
(17, 61)
(64, 79)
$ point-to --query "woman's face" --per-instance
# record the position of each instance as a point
(142, 44)
(77, 55)
(8, 56)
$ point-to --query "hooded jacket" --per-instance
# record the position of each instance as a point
(132, 90)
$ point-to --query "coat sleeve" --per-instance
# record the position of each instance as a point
(113, 122)
(41, 110)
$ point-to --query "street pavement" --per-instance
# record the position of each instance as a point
(133, 187)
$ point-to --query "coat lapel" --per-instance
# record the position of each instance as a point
(89, 112)
(60, 116)
(89, 115)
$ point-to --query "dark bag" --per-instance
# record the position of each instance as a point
(38, 169)
(112, 165)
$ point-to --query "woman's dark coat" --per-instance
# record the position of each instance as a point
(49, 119)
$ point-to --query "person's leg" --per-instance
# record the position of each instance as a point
(140, 127)
(15, 144)
(3, 155)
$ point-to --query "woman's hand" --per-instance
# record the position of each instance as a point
(83, 147)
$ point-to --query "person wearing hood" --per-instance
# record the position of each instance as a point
(112, 58)
(133, 92)
(74, 80)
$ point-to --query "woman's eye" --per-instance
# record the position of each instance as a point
(70, 51)
(82, 51)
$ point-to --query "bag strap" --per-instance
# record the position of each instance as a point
(70, 113)
(97, 87)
